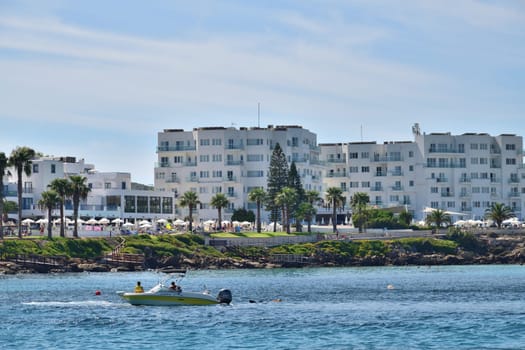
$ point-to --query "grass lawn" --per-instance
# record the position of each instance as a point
(249, 234)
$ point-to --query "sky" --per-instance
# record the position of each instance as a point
(98, 79)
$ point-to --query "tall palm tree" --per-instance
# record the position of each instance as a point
(49, 200)
(306, 211)
(258, 195)
(219, 201)
(21, 159)
(334, 195)
(79, 191)
(63, 188)
(359, 204)
(189, 199)
(3, 171)
(7, 207)
(499, 212)
(312, 197)
(286, 199)
(438, 217)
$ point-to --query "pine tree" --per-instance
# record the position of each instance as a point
(294, 181)
(277, 180)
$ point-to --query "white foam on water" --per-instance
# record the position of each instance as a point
(83, 303)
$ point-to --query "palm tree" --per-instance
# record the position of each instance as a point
(286, 200)
(63, 188)
(7, 207)
(359, 203)
(219, 201)
(258, 195)
(79, 191)
(306, 211)
(21, 160)
(49, 200)
(189, 199)
(438, 217)
(3, 171)
(499, 212)
(312, 197)
(334, 195)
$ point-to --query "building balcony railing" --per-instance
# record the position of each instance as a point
(234, 162)
(231, 194)
(336, 175)
(333, 160)
(173, 180)
(380, 174)
(386, 159)
(464, 180)
(445, 150)
(229, 179)
(514, 180)
(396, 173)
(376, 188)
(192, 179)
(190, 163)
(162, 165)
(514, 194)
(447, 194)
(441, 179)
(396, 188)
(234, 146)
(175, 148)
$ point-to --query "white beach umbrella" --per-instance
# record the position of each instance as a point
(117, 221)
(103, 221)
(128, 224)
(27, 221)
(92, 221)
(144, 222)
(162, 221)
(209, 222)
(179, 222)
(146, 226)
(42, 221)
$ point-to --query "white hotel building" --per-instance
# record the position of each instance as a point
(112, 194)
(231, 161)
(458, 173)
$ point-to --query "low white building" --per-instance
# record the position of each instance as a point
(112, 194)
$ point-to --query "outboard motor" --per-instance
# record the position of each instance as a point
(225, 296)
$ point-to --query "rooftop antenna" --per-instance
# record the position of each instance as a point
(361, 132)
(258, 114)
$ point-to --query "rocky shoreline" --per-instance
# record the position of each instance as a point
(497, 250)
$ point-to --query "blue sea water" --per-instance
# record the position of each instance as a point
(450, 307)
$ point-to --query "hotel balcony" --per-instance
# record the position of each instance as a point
(514, 194)
(234, 162)
(445, 150)
(337, 161)
(175, 148)
(336, 175)
(376, 188)
(234, 146)
(396, 188)
(386, 159)
(173, 179)
(229, 179)
(514, 180)
(447, 194)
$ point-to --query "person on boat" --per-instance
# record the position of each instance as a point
(174, 287)
(138, 288)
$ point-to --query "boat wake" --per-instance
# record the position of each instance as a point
(84, 303)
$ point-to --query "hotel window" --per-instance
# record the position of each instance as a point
(510, 147)
(411, 183)
(217, 173)
(107, 185)
(483, 146)
(410, 168)
(434, 190)
(462, 163)
(484, 175)
(474, 161)
(394, 198)
(365, 155)
(474, 175)
(474, 146)
(217, 158)
(510, 161)
(142, 204)
(204, 174)
(365, 184)
(176, 159)
(461, 148)
(216, 189)
(342, 185)
(353, 155)
(167, 205)
(204, 158)
(216, 142)
(451, 204)
(354, 184)
(205, 142)
(353, 169)
(434, 205)
(483, 161)
(35, 168)
(365, 169)
(123, 185)
(203, 189)
(254, 142)
(410, 154)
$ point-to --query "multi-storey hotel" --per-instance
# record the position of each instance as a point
(231, 161)
(462, 174)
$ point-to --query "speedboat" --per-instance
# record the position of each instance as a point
(162, 295)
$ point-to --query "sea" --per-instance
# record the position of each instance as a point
(444, 307)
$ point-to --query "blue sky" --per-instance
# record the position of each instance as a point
(99, 79)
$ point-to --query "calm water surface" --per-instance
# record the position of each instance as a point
(456, 307)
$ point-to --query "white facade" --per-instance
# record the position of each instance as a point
(111, 194)
(462, 174)
(230, 161)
